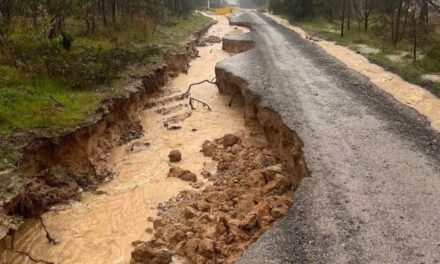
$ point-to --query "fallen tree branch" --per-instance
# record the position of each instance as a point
(191, 103)
(213, 81)
(13, 250)
(49, 237)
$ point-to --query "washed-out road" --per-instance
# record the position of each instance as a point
(373, 195)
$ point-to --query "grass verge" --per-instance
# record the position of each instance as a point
(376, 46)
(48, 93)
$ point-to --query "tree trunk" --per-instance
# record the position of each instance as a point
(397, 23)
(405, 21)
(424, 17)
(103, 13)
(343, 19)
(114, 10)
(366, 15)
(415, 31)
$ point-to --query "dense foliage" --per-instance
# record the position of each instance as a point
(85, 41)
(403, 35)
(73, 53)
(413, 20)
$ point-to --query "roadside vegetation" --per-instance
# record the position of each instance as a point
(59, 59)
(401, 35)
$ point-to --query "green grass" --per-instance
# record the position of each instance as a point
(28, 106)
(103, 60)
(178, 30)
(436, 88)
(25, 103)
(378, 38)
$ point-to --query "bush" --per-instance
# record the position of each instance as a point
(431, 62)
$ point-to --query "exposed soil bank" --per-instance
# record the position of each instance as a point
(238, 43)
(101, 226)
(56, 170)
(257, 171)
(409, 94)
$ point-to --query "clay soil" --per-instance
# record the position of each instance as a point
(247, 193)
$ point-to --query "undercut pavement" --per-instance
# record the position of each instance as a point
(373, 195)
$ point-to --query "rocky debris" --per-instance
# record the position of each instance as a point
(175, 156)
(197, 185)
(209, 40)
(185, 175)
(138, 146)
(49, 187)
(173, 127)
(230, 140)
(250, 191)
(148, 254)
(208, 148)
(132, 134)
(176, 119)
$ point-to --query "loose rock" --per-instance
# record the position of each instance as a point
(249, 191)
(230, 140)
(175, 156)
(182, 174)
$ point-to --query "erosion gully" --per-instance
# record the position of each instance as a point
(102, 226)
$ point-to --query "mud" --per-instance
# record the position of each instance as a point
(101, 226)
(233, 179)
(250, 190)
(257, 171)
(56, 170)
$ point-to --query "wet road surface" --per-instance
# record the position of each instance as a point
(373, 195)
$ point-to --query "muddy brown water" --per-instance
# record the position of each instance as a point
(100, 228)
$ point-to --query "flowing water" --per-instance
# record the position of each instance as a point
(101, 227)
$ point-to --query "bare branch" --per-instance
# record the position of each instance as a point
(49, 237)
(213, 81)
(192, 100)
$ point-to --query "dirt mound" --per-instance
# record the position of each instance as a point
(249, 192)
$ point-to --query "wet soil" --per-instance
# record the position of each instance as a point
(101, 227)
(250, 189)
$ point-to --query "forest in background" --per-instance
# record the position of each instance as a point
(401, 35)
(60, 58)
(59, 52)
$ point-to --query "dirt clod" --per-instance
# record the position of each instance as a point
(251, 189)
(175, 156)
(148, 254)
(230, 140)
(182, 174)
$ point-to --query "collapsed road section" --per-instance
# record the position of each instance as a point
(374, 188)
(193, 181)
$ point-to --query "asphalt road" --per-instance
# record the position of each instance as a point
(374, 192)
